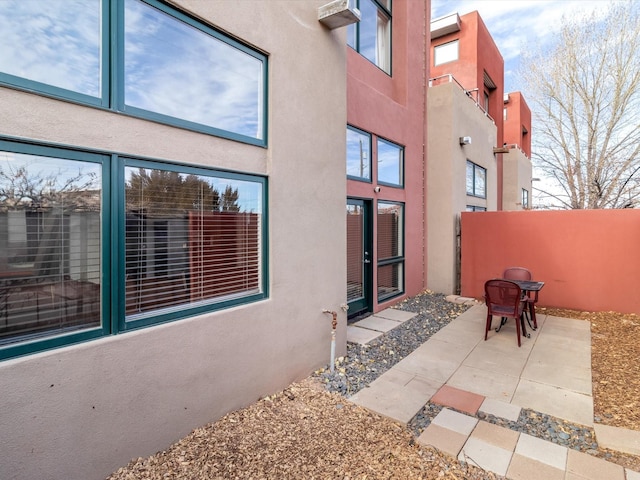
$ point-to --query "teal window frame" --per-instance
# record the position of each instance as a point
(112, 74)
(400, 165)
(113, 250)
(362, 178)
(525, 198)
(394, 260)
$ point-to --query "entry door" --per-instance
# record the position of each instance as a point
(359, 256)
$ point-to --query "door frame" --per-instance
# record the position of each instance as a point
(364, 304)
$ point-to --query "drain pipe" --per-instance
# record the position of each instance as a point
(334, 325)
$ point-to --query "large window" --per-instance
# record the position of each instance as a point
(447, 52)
(476, 180)
(141, 57)
(358, 154)
(390, 231)
(390, 163)
(187, 240)
(371, 36)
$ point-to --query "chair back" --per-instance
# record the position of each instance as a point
(517, 273)
(503, 298)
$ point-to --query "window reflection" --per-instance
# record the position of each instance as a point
(174, 69)
(55, 42)
(358, 154)
(374, 34)
(390, 163)
(189, 239)
(50, 269)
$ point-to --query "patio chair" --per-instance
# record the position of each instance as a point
(521, 273)
(504, 299)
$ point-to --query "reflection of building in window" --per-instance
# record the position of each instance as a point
(390, 232)
(371, 36)
(525, 198)
(476, 180)
(192, 238)
(447, 52)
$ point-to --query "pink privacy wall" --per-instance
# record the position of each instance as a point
(588, 259)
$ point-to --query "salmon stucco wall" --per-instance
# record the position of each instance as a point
(588, 259)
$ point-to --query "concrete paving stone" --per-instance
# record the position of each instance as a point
(361, 335)
(458, 422)
(388, 397)
(525, 468)
(483, 359)
(617, 438)
(475, 315)
(459, 334)
(559, 402)
(377, 323)
(577, 379)
(631, 475)
(501, 437)
(461, 400)
(593, 468)
(486, 456)
(568, 323)
(500, 409)
(395, 314)
(484, 382)
(434, 360)
(443, 439)
(542, 451)
(564, 352)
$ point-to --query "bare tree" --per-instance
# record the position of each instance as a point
(585, 96)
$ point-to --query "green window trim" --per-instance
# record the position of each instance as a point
(112, 288)
(112, 74)
(391, 251)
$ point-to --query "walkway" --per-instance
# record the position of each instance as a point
(550, 373)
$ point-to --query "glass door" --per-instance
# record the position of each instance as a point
(359, 256)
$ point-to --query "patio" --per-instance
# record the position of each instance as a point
(456, 368)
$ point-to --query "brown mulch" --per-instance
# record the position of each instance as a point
(305, 432)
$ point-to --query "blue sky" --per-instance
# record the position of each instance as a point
(516, 24)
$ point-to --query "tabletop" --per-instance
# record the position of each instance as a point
(529, 285)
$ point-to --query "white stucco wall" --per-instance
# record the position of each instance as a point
(81, 411)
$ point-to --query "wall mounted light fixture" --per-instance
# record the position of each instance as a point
(465, 140)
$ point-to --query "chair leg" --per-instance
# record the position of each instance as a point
(532, 314)
(518, 328)
(487, 326)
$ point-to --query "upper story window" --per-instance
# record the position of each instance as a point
(476, 208)
(371, 36)
(358, 154)
(447, 52)
(525, 198)
(476, 180)
(390, 163)
(76, 51)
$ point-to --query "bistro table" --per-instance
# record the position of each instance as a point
(530, 286)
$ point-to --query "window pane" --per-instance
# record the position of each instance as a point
(469, 178)
(55, 42)
(390, 230)
(50, 231)
(358, 154)
(375, 35)
(390, 280)
(190, 239)
(480, 181)
(390, 160)
(447, 52)
(174, 69)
